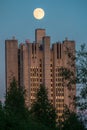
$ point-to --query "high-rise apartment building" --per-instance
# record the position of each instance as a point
(37, 63)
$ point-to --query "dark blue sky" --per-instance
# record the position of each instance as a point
(63, 18)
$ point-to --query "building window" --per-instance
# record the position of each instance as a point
(51, 80)
(51, 75)
(40, 70)
(40, 75)
(40, 80)
(40, 65)
(40, 60)
(51, 70)
(50, 65)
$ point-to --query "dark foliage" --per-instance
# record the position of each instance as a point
(42, 109)
(82, 77)
(71, 121)
(14, 115)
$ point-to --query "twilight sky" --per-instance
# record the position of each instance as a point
(63, 18)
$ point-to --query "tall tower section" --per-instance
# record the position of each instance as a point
(58, 88)
(69, 64)
(39, 34)
(25, 70)
(46, 64)
(62, 94)
(11, 61)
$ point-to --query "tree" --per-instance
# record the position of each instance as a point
(2, 117)
(42, 109)
(16, 113)
(15, 98)
(82, 77)
(71, 121)
(81, 82)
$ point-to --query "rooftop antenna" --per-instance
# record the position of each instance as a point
(13, 38)
(27, 41)
(66, 38)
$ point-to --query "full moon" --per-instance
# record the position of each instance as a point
(38, 13)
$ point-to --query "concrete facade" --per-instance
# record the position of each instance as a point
(37, 63)
(11, 60)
